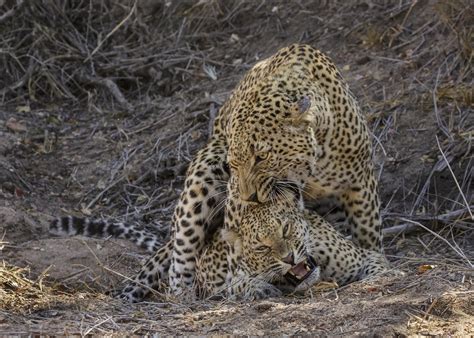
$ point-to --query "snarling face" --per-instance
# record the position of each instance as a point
(273, 239)
(273, 147)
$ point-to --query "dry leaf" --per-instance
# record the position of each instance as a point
(195, 135)
(141, 199)
(372, 289)
(86, 211)
(426, 267)
(23, 109)
(16, 126)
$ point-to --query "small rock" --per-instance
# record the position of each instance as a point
(234, 38)
(263, 307)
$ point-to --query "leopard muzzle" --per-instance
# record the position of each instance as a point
(301, 271)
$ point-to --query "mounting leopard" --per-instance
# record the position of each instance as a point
(291, 120)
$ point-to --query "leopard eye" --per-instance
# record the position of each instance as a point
(260, 157)
(262, 248)
(286, 230)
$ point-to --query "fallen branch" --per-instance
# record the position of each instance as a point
(111, 87)
(398, 229)
(449, 217)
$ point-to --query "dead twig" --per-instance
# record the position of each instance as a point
(440, 122)
(456, 250)
(455, 180)
(401, 27)
(120, 24)
(22, 81)
(95, 199)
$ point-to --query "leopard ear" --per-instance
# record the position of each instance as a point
(233, 239)
(230, 236)
(300, 110)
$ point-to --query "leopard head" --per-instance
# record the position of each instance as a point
(272, 241)
(272, 145)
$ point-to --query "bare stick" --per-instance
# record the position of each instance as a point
(447, 217)
(455, 180)
(112, 87)
(459, 252)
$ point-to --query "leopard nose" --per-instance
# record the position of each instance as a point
(289, 259)
(253, 198)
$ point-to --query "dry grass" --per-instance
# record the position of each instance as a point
(22, 295)
(32, 306)
(102, 54)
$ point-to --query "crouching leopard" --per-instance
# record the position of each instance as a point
(277, 248)
(291, 120)
(281, 246)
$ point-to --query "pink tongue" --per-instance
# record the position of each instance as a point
(299, 270)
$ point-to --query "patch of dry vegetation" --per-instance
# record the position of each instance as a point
(22, 295)
(103, 53)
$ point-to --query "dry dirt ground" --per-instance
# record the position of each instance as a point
(103, 104)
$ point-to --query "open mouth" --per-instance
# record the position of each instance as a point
(301, 271)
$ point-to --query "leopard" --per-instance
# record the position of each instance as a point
(250, 265)
(291, 120)
(279, 248)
